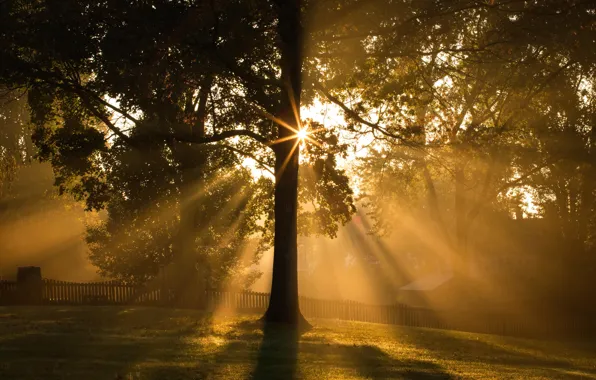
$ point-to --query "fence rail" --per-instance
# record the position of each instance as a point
(113, 293)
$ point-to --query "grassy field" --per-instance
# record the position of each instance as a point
(144, 343)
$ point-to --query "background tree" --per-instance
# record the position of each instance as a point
(15, 142)
(30, 206)
(457, 106)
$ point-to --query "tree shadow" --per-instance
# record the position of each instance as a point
(153, 343)
(370, 361)
(278, 353)
(100, 342)
(493, 350)
(289, 354)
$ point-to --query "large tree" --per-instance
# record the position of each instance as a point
(177, 76)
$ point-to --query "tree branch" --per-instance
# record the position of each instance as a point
(413, 53)
(107, 122)
(517, 181)
(354, 115)
(191, 138)
(88, 97)
(251, 156)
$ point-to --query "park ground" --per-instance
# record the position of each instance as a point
(152, 343)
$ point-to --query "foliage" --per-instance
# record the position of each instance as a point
(325, 194)
(15, 146)
(468, 103)
(142, 103)
(136, 241)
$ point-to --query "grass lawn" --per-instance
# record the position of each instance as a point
(112, 343)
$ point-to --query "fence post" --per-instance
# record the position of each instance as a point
(112, 292)
(29, 285)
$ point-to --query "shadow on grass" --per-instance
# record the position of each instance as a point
(483, 350)
(152, 343)
(288, 354)
(278, 354)
(371, 362)
(91, 342)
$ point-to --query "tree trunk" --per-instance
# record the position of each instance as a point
(283, 302)
(186, 281)
(462, 263)
(189, 281)
(446, 261)
(587, 189)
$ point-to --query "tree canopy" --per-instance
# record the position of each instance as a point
(156, 111)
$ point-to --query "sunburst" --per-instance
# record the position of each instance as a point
(302, 134)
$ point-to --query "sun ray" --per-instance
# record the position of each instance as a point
(313, 141)
(376, 282)
(306, 135)
(277, 120)
(282, 139)
(287, 159)
(170, 270)
(242, 255)
(295, 109)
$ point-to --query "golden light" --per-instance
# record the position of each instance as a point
(302, 134)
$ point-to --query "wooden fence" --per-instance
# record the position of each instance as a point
(8, 291)
(396, 314)
(107, 293)
(114, 293)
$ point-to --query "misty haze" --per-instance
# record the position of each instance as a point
(317, 189)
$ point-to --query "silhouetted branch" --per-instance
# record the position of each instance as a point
(251, 156)
(106, 120)
(191, 138)
(354, 115)
(517, 181)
